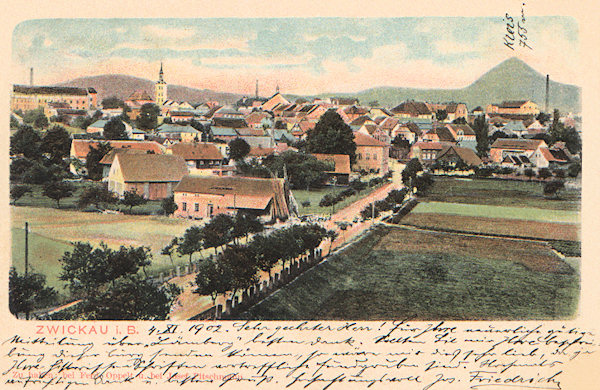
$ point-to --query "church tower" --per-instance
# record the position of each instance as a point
(160, 88)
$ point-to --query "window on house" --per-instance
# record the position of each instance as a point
(374, 156)
(367, 157)
(196, 207)
(184, 206)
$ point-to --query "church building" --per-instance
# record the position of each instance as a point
(160, 88)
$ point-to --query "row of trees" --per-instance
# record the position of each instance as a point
(414, 178)
(394, 198)
(237, 267)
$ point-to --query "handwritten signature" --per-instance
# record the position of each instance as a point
(521, 32)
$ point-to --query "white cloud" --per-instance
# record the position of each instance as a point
(446, 47)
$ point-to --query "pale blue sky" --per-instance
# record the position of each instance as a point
(303, 55)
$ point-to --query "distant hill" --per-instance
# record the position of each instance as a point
(512, 79)
(122, 86)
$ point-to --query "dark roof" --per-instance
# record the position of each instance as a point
(444, 134)
(414, 128)
(47, 90)
(465, 154)
(512, 103)
(137, 167)
(342, 101)
(236, 123)
(467, 130)
(412, 108)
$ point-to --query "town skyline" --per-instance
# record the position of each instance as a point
(302, 56)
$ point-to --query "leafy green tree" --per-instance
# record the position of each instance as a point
(332, 135)
(114, 129)
(98, 195)
(529, 173)
(112, 102)
(147, 118)
(26, 141)
(218, 231)
(92, 161)
(410, 171)
(237, 261)
(57, 143)
(170, 248)
(303, 170)
(572, 140)
(109, 285)
(262, 254)
(544, 173)
(212, 280)
(168, 205)
(132, 199)
(574, 169)
(422, 183)
(238, 149)
(36, 117)
(83, 122)
(480, 126)
(28, 291)
(460, 121)
(542, 117)
(58, 190)
(130, 298)
(18, 191)
(191, 242)
(246, 223)
(441, 115)
(552, 188)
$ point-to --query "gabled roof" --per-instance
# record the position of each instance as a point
(251, 193)
(236, 123)
(81, 147)
(370, 128)
(360, 120)
(467, 130)
(257, 117)
(341, 162)
(250, 131)
(414, 128)
(110, 156)
(465, 154)
(444, 134)
(181, 113)
(196, 151)
(428, 145)
(259, 151)
(209, 114)
(512, 103)
(223, 131)
(362, 139)
(136, 167)
(516, 143)
(173, 128)
(412, 108)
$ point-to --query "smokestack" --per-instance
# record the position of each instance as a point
(547, 91)
(31, 76)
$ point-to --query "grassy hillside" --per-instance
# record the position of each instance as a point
(510, 80)
(122, 86)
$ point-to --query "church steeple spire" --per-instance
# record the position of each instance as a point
(256, 91)
(160, 74)
(160, 88)
(277, 89)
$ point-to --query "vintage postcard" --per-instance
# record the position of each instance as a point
(326, 199)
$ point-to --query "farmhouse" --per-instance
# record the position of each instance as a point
(81, 147)
(341, 167)
(372, 155)
(504, 147)
(151, 175)
(198, 155)
(204, 196)
(455, 155)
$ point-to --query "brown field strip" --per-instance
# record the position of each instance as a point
(508, 227)
(532, 255)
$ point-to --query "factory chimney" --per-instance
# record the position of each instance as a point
(547, 91)
(31, 76)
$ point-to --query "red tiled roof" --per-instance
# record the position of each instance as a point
(196, 151)
(362, 139)
(428, 145)
(260, 151)
(81, 147)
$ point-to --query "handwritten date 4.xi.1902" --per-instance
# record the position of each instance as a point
(521, 32)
